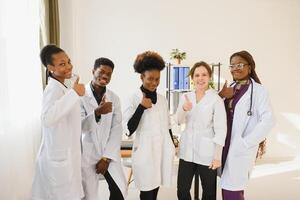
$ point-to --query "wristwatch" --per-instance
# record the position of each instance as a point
(106, 159)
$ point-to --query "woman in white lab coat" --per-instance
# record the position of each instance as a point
(102, 132)
(202, 140)
(146, 114)
(58, 165)
(249, 120)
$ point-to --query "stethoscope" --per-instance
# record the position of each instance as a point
(249, 112)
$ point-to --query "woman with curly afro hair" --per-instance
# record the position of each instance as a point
(146, 115)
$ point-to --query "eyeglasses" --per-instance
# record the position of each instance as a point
(237, 66)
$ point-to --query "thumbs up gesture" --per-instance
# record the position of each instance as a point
(187, 105)
(226, 92)
(79, 87)
(104, 107)
(146, 102)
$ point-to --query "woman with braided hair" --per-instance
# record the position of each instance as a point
(249, 120)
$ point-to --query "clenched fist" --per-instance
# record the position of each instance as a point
(104, 107)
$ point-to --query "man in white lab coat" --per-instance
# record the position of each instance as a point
(101, 135)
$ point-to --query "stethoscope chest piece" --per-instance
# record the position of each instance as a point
(249, 113)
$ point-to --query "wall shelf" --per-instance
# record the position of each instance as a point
(173, 95)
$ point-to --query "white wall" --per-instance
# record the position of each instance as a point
(206, 30)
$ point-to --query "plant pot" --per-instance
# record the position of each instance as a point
(178, 61)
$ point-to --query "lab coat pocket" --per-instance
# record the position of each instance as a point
(240, 148)
(157, 148)
(144, 155)
(141, 162)
(205, 146)
(87, 153)
(140, 154)
(59, 167)
(241, 169)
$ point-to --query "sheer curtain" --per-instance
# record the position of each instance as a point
(49, 26)
(20, 96)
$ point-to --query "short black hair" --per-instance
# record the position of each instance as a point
(148, 60)
(47, 52)
(103, 61)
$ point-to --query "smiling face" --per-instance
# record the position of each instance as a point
(151, 79)
(240, 68)
(61, 66)
(201, 78)
(102, 75)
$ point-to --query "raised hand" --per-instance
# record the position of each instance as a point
(146, 102)
(226, 92)
(187, 105)
(104, 107)
(79, 87)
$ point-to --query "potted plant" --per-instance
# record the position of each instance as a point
(211, 84)
(178, 55)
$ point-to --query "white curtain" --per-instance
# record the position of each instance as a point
(20, 96)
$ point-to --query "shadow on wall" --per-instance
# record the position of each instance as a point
(290, 137)
(284, 141)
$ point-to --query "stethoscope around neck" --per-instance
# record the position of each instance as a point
(249, 112)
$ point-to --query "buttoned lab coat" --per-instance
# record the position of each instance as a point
(102, 139)
(205, 126)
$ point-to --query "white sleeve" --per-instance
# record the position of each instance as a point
(218, 152)
(113, 145)
(219, 122)
(180, 113)
(57, 105)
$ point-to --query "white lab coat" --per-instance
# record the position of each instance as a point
(247, 133)
(153, 149)
(102, 139)
(58, 166)
(204, 129)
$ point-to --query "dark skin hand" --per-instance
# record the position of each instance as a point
(102, 166)
(146, 102)
(103, 108)
(226, 92)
